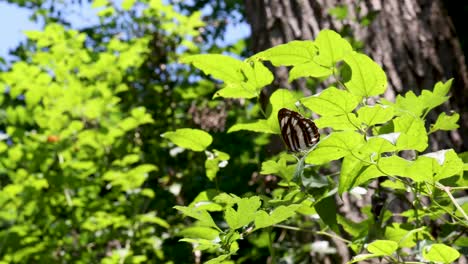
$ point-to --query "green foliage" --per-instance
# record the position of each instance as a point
(111, 152)
(368, 133)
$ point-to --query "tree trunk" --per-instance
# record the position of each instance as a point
(413, 40)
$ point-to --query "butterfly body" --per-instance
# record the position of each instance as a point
(298, 133)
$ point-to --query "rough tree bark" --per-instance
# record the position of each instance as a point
(414, 41)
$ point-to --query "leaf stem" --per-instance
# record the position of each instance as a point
(447, 190)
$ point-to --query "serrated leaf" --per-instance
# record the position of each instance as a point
(413, 133)
(445, 122)
(332, 48)
(430, 100)
(376, 114)
(256, 76)
(368, 78)
(194, 139)
(280, 168)
(228, 199)
(245, 213)
(331, 102)
(219, 66)
(442, 89)
(440, 253)
(335, 146)
(383, 247)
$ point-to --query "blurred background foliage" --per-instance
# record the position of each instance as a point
(85, 175)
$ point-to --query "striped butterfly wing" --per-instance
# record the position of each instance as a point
(299, 133)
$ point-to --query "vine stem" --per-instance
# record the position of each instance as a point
(447, 190)
(295, 228)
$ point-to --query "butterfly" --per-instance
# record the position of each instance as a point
(299, 133)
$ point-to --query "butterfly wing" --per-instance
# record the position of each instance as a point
(298, 133)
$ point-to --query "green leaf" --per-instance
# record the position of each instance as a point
(368, 78)
(280, 167)
(419, 170)
(202, 244)
(292, 53)
(219, 259)
(350, 169)
(204, 201)
(409, 103)
(445, 122)
(215, 161)
(309, 69)
(326, 209)
(413, 133)
(355, 229)
(442, 89)
(383, 247)
(331, 102)
(440, 253)
(431, 100)
(257, 74)
(376, 114)
(201, 215)
(378, 145)
(194, 139)
(335, 146)
(332, 48)
(151, 217)
(278, 215)
(446, 164)
(219, 66)
(261, 126)
(399, 233)
(281, 98)
(340, 122)
(245, 213)
(202, 232)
